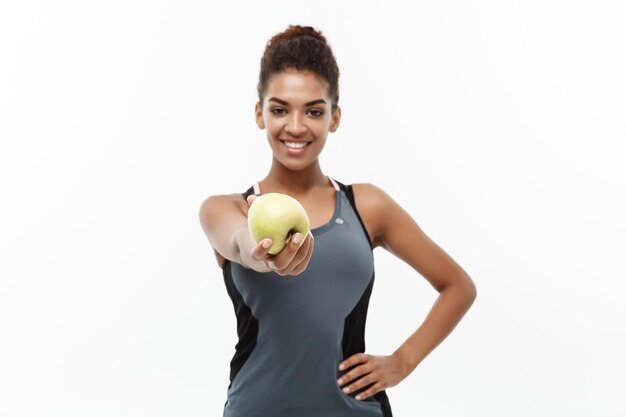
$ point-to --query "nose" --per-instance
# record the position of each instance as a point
(295, 125)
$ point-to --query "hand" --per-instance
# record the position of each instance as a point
(292, 260)
(381, 371)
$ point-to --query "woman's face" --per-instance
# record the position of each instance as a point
(296, 107)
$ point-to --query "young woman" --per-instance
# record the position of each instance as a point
(301, 313)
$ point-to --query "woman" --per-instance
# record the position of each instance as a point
(301, 313)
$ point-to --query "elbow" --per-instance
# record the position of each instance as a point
(471, 290)
(461, 283)
(465, 288)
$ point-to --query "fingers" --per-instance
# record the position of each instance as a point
(250, 199)
(292, 259)
(302, 257)
(284, 259)
(377, 387)
(355, 379)
(353, 360)
(300, 267)
(361, 375)
(293, 255)
(259, 252)
(363, 381)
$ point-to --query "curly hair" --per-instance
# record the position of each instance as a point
(301, 48)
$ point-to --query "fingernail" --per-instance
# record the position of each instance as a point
(266, 244)
(297, 238)
(346, 390)
(340, 381)
(341, 367)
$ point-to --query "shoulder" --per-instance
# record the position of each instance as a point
(369, 194)
(372, 197)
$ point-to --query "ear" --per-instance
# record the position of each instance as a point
(258, 113)
(334, 123)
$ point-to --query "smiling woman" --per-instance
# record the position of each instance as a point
(301, 313)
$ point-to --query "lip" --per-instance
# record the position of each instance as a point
(295, 141)
(294, 151)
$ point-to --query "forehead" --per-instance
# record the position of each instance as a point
(292, 85)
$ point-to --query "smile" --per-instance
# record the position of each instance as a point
(295, 145)
(295, 148)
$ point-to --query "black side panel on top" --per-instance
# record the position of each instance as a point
(354, 325)
(382, 398)
(247, 325)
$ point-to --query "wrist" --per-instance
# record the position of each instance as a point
(407, 361)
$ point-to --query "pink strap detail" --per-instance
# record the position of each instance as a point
(257, 188)
(334, 184)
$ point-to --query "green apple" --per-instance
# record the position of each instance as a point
(276, 216)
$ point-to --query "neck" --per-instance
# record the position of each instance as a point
(284, 180)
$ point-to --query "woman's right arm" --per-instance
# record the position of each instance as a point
(226, 226)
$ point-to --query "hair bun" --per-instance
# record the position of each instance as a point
(294, 31)
(300, 48)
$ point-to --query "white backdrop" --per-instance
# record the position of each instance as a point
(499, 126)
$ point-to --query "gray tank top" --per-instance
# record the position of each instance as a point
(295, 330)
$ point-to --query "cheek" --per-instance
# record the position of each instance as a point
(273, 130)
(273, 122)
(271, 126)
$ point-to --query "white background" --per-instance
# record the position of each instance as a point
(498, 125)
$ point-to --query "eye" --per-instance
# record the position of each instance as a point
(318, 113)
(274, 110)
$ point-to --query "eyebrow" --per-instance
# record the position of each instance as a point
(284, 103)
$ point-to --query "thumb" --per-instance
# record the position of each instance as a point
(250, 199)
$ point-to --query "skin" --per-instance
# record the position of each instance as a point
(388, 225)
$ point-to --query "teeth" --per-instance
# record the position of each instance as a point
(295, 145)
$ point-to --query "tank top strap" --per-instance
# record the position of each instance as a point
(248, 192)
(347, 189)
(334, 184)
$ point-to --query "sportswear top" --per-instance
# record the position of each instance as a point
(294, 330)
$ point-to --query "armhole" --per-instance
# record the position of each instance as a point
(220, 258)
(347, 189)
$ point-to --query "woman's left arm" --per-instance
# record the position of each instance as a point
(399, 234)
